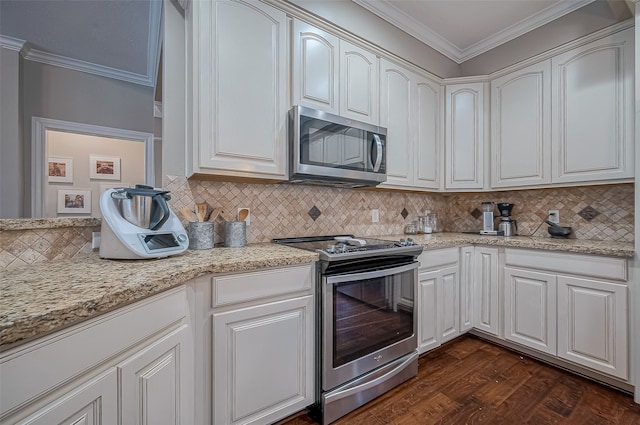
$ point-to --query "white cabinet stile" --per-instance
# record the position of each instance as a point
(464, 137)
(521, 127)
(466, 287)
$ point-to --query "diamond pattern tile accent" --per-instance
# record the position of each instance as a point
(314, 213)
(476, 213)
(588, 213)
(404, 213)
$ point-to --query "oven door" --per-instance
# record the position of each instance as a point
(368, 321)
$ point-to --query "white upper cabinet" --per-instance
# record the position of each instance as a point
(464, 138)
(239, 89)
(411, 111)
(521, 127)
(358, 83)
(333, 75)
(316, 68)
(593, 108)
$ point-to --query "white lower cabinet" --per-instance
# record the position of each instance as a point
(485, 290)
(466, 287)
(593, 324)
(256, 345)
(530, 309)
(570, 306)
(438, 298)
(261, 362)
(132, 366)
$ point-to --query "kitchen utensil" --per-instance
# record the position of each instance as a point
(186, 214)
(243, 214)
(215, 214)
(201, 210)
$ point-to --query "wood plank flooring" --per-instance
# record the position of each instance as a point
(471, 381)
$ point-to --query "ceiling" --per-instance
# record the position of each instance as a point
(463, 29)
(114, 38)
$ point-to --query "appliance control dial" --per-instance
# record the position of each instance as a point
(331, 249)
(410, 242)
(182, 237)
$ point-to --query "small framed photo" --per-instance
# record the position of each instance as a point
(74, 201)
(104, 167)
(60, 170)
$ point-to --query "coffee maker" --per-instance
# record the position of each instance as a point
(508, 226)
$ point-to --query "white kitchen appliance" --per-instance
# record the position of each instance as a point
(137, 223)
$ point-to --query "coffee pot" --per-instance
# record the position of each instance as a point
(507, 225)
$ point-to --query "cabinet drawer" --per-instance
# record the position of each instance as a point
(438, 257)
(567, 263)
(242, 287)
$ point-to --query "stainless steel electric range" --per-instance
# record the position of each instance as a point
(366, 330)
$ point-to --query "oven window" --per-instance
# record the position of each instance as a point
(371, 314)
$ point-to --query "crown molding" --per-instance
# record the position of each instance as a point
(389, 12)
(154, 46)
(12, 43)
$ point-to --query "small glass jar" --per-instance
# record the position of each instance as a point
(411, 228)
(432, 220)
(424, 224)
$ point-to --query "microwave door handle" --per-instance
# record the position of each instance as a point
(378, 145)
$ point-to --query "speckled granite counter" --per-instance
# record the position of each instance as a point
(41, 298)
(445, 240)
(45, 297)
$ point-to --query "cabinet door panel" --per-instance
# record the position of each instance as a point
(153, 386)
(261, 368)
(429, 138)
(521, 127)
(465, 136)
(359, 83)
(593, 117)
(92, 403)
(530, 309)
(592, 324)
(242, 75)
(448, 304)
(485, 306)
(427, 311)
(466, 288)
(396, 116)
(316, 57)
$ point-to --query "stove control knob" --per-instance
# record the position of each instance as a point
(402, 242)
(331, 249)
(182, 237)
(410, 242)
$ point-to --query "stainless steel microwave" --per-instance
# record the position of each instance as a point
(331, 150)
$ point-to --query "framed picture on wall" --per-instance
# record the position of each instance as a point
(74, 201)
(104, 167)
(60, 170)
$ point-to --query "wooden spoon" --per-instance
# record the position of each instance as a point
(186, 214)
(242, 214)
(201, 210)
(215, 214)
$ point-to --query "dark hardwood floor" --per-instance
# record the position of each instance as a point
(470, 381)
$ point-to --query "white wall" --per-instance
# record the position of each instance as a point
(79, 147)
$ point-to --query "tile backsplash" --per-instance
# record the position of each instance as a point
(604, 213)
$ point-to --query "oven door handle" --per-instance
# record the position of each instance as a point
(357, 387)
(350, 277)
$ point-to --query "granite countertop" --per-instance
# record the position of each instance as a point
(446, 240)
(45, 297)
